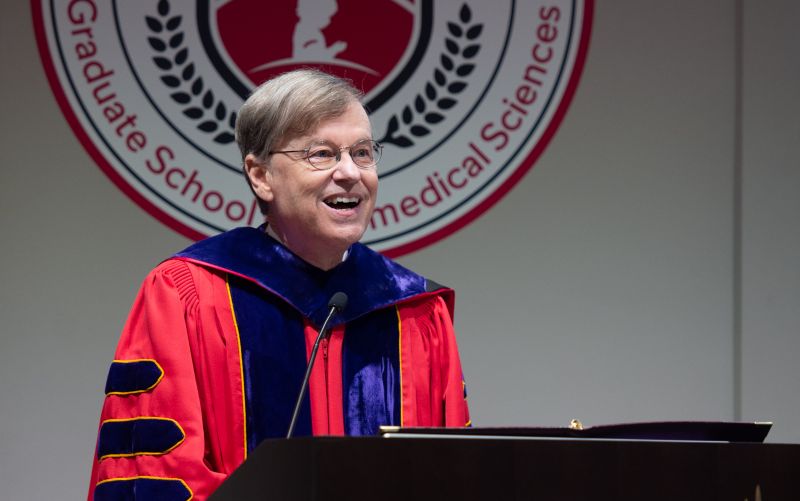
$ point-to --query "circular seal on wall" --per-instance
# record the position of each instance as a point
(463, 95)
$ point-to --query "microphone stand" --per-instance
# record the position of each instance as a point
(337, 303)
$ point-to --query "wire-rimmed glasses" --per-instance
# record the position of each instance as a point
(324, 155)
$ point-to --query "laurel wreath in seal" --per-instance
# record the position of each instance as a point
(179, 73)
(440, 92)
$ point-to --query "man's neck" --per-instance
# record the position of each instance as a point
(323, 262)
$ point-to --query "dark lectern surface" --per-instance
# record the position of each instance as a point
(371, 468)
(696, 431)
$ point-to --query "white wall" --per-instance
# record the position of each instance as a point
(607, 293)
(771, 216)
(621, 285)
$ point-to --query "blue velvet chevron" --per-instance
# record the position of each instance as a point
(130, 437)
(142, 489)
(132, 376)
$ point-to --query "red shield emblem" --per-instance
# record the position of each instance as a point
(251, 41)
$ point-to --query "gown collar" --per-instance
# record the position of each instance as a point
(370, 280)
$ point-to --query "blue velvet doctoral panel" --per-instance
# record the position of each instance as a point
(371, 373)
(274, 362)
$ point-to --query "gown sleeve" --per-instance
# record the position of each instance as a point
(434, 391)
(153, 438)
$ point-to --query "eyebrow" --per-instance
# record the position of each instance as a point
(328, 141)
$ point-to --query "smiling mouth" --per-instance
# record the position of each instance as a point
(342, 203)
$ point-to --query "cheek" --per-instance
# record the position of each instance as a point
(313, 183)
(371, 182)
(299, 191)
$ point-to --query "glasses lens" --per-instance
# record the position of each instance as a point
(366, 153)
(322, 156)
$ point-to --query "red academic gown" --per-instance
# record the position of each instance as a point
(213, 353)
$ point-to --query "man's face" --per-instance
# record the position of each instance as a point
(315, 211)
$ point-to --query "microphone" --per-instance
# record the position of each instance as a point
(337, 302)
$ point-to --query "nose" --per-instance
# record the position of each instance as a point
(346, 170)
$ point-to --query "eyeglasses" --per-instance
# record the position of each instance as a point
(324, 155)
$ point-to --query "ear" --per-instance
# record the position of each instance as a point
(260, 177)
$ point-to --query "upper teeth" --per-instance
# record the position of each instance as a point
(344, 200)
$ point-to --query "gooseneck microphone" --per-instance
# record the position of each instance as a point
(337, 302)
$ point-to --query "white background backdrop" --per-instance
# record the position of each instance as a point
(647, 268)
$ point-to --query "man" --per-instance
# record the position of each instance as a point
(214, 351)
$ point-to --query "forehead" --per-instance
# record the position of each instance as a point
(349, 127)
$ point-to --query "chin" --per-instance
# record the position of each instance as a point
(346, 237)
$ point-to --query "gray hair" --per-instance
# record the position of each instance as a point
(288, 106)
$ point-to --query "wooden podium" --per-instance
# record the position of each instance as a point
(505, 468)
